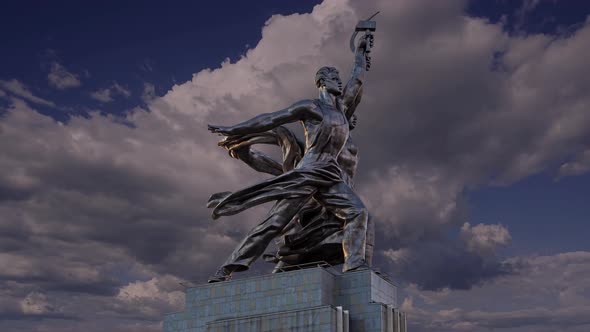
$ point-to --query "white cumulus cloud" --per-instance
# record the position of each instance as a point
(60, 78)
(106, 95)
(18, 89)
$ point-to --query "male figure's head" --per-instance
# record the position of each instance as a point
(329, 78)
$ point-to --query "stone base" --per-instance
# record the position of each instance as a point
(315, 299)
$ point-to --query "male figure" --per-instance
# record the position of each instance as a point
(315, 234)
(317, 175)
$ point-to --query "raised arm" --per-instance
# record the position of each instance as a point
(267, 121)
(354, 88)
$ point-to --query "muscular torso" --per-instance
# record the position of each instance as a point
(348, 160)
(326, 137)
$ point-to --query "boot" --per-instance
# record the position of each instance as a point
(222, 274)
(361, 267)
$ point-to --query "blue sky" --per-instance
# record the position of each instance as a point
(544, 216)
(475, 149)
(132, 43)
(556, 209)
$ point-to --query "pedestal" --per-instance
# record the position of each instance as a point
(315, 299)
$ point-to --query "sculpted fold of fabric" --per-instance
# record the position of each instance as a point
(296, 183)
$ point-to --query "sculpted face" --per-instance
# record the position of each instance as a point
(330, 79)
(333, 84)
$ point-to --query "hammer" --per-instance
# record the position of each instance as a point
(367, 26)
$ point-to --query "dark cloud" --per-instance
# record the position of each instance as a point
(543, 317)
(461, 264)
(34, 317)
(546, 293)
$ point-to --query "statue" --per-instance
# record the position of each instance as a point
(314, 183)
(313, 234)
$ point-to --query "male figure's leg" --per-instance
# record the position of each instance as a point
(370, 242)
(256, 241)
(345, 204)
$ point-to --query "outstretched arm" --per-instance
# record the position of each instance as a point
(353, 90)
(240, 148)
(267, 121)
(258, 161)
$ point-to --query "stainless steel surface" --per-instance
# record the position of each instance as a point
(315, 175)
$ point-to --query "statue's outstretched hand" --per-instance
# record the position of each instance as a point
(225, 131)
(232, 145)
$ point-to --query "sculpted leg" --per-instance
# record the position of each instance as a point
(258, 239)
(346, 205)
(370, 245)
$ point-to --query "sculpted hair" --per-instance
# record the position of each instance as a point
(322, 74)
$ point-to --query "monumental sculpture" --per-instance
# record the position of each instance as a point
(316, 217)
(316, 214)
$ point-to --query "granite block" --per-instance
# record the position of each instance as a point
(300, 300)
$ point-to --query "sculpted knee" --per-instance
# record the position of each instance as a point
(364, 213)
(360, 213)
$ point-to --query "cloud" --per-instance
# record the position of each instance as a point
(579, 166)
(154, 296)
(521, 14)
(484, 239)
(106, 95)
(414, 210)
(548, 292)
(56, 184)
(102, 95)
(36, 303)
(146, 65)
(411, 204)
(149, 92)
(60, 78)
(20, 90)
(121, 90)
(434, 265)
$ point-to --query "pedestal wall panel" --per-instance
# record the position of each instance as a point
(301, 300)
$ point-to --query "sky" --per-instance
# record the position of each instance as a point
(474, 138)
